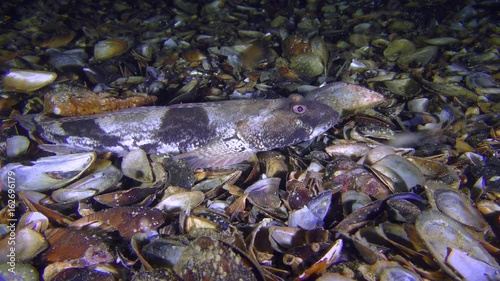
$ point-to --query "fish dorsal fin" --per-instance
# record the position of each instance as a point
(227, 150)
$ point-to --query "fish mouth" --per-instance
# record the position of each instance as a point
(320, 129)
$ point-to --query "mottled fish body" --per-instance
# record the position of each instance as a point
(205, 134)
(345, 98)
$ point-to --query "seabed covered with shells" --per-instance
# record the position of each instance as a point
(406, 186)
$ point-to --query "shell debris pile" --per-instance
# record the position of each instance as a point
(406, 186)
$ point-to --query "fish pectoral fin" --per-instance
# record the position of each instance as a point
(227, 151)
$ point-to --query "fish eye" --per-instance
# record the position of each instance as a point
(299, 108)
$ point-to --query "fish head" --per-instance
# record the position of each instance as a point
(288, 122)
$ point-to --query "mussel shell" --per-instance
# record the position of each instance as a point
(22, 272)
(58, 40)
(70, 60)
(406, 87)
(20, 80)
(88, 186)
(109, 48)
(47, 172)
(397, 273)
(163, 252)
(307, 65)
(136, 165)
(29, 243)
(441, 233)
(456, 206)
(398, 173)
(16, 145)
(398, 48)
(419, 58)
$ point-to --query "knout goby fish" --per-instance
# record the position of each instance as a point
(206, 134)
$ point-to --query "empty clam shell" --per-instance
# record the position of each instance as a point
(20, 80)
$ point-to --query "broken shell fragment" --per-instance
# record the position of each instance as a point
(20, 80)
(35, 221)
(330, 257)
(265, 193)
